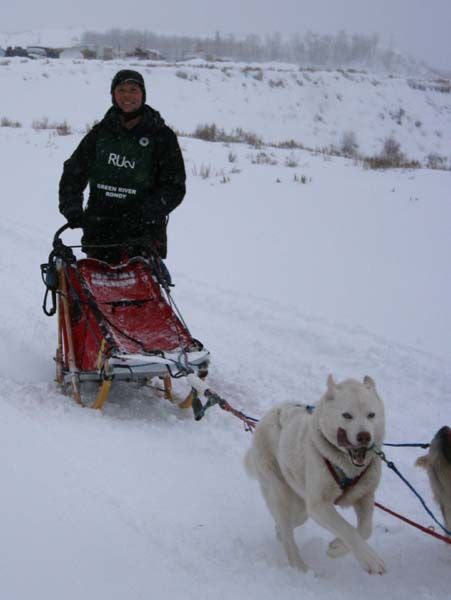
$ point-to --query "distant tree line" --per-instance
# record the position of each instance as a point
(310, 49)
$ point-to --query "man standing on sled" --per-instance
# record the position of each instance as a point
(136, 174)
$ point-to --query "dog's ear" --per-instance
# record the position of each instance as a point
(422, 461)
(369, 382)
(330, 388)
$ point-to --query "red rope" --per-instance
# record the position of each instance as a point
(249, 423)
(427, 530)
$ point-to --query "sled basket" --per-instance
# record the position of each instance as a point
(119, 313)
(118, 322)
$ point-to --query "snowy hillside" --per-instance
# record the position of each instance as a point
(288, 266)
(278, 102)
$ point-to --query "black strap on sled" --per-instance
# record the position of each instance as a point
(49, 271)
(50, 279)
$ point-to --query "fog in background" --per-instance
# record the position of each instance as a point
(415, 26)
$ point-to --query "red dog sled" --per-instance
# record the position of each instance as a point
(118, 322)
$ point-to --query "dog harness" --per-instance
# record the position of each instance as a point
(342, 480)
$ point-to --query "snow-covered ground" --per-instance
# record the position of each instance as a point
(285, 282)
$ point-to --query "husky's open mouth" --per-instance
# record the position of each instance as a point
(357, 454)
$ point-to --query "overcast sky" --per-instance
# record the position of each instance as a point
(421, 27)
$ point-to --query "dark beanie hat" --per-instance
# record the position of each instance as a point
(127, 75)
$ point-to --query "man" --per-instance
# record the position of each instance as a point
(136, 174)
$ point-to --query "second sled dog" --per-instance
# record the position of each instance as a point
(307, 459)
(437, 463)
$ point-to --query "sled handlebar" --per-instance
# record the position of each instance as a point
(56, 237)
(60, 247)
(57, 240)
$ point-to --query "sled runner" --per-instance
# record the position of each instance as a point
(117, 322)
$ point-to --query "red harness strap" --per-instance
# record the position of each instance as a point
(427, 530)
(345, 483)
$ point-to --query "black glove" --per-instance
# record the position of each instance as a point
(75, 217)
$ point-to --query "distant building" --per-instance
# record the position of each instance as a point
(145, 54)
(36, 52)
(195, 56)
(43, 51)
(16, 51)
(73, 52)
(104, 53)
(88, 52)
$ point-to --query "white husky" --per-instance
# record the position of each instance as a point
(309, 458)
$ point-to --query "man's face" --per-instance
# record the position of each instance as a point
(128, 96)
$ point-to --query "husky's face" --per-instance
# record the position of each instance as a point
(441, 446)
(352, 417)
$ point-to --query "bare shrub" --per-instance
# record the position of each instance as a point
(349, 146)
(391, 157)
(330, 150)
(398, 115)
(232, 157)
(248, 137)
(391, 151)
(376, 162)
(5, 122)
(181, 74)
(40, 124)
(63, 128)
(301, 179)
(44, 124)
(261, 158)
(276, 83)
(212, 133)
(291, 161)
(435, 161)
(209, 133)
(204, 171)
(290, 145)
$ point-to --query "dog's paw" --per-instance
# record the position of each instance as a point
(372, 563)
(337, 548)
(298, 563)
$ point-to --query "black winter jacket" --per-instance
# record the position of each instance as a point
(136, 178)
